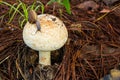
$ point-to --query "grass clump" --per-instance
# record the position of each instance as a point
(65, 3)
(22, 9)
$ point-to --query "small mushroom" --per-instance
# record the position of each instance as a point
(52, 36)
(114, 75)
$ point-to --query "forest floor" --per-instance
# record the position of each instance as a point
(91, 51)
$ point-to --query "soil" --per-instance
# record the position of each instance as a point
(92, 49)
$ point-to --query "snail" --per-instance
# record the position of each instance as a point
(32, 18)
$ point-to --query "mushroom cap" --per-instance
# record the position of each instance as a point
(52, 36)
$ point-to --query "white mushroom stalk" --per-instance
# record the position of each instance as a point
(48, 33)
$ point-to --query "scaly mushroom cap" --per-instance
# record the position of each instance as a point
(52, 36)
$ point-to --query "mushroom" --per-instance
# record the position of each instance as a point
(48, 33)
(114, 75)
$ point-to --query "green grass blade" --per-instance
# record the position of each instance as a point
(25, 11)
(22, 23)
(11, 18)
(37, 7)
(11, 10)
(24, 8)
(66, 3)
(42, 6)
(50, 2)
(12, 7)
(33, 6)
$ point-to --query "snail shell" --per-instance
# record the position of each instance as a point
(32, 16)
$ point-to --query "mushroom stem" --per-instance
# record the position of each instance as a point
(44, 58)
